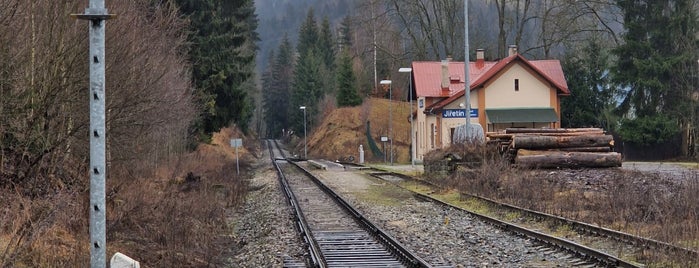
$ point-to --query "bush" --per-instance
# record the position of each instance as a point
(648, 130)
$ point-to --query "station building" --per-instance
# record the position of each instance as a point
(511, 92)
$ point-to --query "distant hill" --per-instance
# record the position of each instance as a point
(344, 129)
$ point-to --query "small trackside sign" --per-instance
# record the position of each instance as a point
(236, 143)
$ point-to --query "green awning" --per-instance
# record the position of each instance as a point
(521, 115)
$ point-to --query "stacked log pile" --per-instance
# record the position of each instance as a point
(559, 147)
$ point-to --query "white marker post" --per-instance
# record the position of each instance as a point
(384, 139)
(235, 143)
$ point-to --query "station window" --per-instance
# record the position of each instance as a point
(516, 84)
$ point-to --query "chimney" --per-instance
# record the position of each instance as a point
(512, 50)
(480, 58)
(445, 74)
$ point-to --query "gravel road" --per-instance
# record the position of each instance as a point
(677, 170)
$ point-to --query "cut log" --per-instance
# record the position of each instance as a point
(557, 159)
(551, 130)
(499, 136)
(554, 142)
(587, 133)
(586, 149)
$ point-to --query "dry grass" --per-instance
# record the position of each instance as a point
(43, 232)
(342, 131)
(175, 217)
(648, 205)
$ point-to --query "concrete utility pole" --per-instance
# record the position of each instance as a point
(410, 97)
(305, 144)
(390, 115)
(97, 14)
(467, 83)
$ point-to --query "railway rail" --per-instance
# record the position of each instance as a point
(447, 236)
(336, 234)
(631, 242)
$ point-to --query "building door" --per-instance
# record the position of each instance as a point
(432, 133)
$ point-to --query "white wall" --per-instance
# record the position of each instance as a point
(532, 91)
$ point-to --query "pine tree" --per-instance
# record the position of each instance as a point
(306, 91)
(278, 90)
(344, 36)
(347, 90)
(308, 87)
(308, 35)
(268, 101)
(326, 51)
(660, 46)
(223, 54)
(590, 86)
(326, 45)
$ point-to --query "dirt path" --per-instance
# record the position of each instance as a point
(665, 169)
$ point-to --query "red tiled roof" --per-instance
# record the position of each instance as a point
(427, 75)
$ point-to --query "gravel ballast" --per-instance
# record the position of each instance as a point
(441, 236)
(264, 227)
(266, 235)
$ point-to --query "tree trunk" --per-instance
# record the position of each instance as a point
(499, 136)
(552, 130)
(591, 133)
(557, 159)
(684, 144)
(587, 149)
(553, 142)
(502, 36)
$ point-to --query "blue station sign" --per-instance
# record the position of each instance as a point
(458, 113)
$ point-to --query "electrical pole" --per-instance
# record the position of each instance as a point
(390, 114)
(410, 97)
(467, 83)
(97, 14)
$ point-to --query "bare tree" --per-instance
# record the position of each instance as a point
(434, 29)
(43, 83)
(375, 38)
(151, 102)
(521, 19)
(502, 36)
(572, 21)
(540, 26)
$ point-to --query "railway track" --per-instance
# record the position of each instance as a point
(632, 246)
(447, 236)
(336, 234)
(328, 235)
(336, 228)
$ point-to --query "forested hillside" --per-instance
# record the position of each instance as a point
(279, 18)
